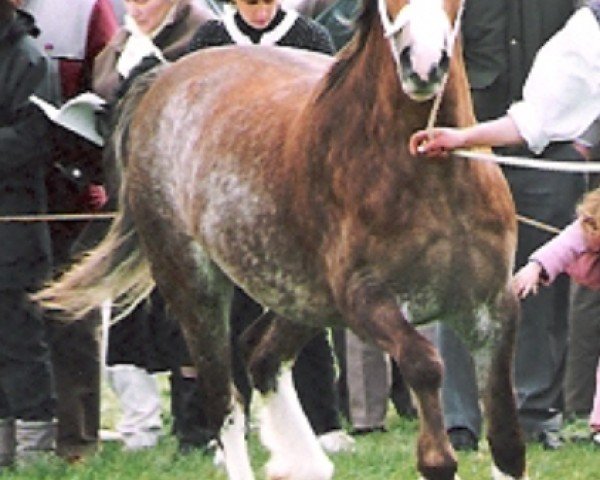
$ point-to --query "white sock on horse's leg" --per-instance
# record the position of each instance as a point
(235, 451)
(285, 431)
(498, 475)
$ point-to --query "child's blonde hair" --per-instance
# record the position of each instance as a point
(588, 211)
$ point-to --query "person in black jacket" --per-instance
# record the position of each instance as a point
(27, 403)
(72, 34)
(267, 22)
(263, 22)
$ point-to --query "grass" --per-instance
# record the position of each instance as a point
(379, 456)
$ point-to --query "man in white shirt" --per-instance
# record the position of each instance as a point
(561, 97)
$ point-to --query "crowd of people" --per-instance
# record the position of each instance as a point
(510, 49)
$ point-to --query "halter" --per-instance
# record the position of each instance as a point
(391, 28)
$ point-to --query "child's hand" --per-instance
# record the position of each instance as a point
(527, 280)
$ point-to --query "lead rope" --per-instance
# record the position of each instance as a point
(465, 154)
(437, 101)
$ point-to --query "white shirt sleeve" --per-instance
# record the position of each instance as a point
(561, 96)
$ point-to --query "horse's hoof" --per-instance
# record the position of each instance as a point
(498, 475)
(277, 470)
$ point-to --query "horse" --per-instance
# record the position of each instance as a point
(287, 173)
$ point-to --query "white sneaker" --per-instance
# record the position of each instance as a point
(337, 441)
(140, 441)
(110, 436)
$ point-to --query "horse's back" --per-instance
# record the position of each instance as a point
(245, 72)
(220, 94)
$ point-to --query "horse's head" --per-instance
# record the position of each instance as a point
(421, 37)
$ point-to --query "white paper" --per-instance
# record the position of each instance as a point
(78, 114)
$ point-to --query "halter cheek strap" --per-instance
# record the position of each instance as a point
(400, 21)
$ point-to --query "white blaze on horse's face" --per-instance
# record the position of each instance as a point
(420, 39)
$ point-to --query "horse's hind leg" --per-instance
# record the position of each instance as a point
(375, 315)
(285, 431)
(504, 434)
(199, 296)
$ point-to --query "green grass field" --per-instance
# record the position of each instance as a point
(379, 456)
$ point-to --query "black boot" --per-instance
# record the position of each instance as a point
(189, 422)
(7, 442)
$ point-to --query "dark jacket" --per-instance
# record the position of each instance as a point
(304, 33)
(501, 38)
(24, 152)
(339, 19)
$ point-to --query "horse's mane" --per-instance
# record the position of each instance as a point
(348, 54)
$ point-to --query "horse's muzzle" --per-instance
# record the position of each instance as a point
(424, 84)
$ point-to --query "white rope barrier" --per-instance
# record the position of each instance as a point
(533, 163)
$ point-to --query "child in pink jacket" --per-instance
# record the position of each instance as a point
(575, 251)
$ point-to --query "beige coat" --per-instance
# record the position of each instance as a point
(173, 41)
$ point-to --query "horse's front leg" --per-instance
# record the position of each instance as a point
(375, 315)
(504, 433)
(284, 429)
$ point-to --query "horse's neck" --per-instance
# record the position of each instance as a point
(352, 138)
(366, 97)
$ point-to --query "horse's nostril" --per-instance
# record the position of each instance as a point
(431, 75)
(445, 60)
(405, 62)
(437, 72)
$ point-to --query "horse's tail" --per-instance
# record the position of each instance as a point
(135, 88)
(114, 270)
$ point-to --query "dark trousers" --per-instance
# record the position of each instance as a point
(26, 383)
(75, 348)
(314, 379)
(369, 382)
(460, 395)
(76, 362)
(584, 350)
(541, 351)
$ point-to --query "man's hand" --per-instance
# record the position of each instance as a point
(437, 142)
